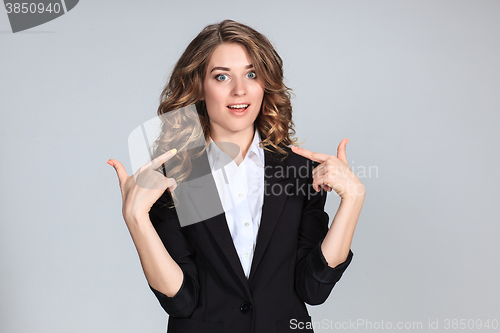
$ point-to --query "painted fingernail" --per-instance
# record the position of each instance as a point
(173, 151)
(110, 163)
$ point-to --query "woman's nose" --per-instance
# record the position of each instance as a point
(239, 88)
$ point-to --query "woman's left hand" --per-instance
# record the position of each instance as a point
(334, 173)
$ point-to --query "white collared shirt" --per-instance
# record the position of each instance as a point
(241, 190)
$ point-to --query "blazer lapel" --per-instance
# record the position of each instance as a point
(275, 172)
(271, 210)
(217, 224)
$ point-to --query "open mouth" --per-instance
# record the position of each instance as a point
(238, 107)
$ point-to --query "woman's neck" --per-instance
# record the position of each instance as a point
(242, 139)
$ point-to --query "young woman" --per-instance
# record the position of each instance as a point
(252, 267)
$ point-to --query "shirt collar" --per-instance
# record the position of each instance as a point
(217, 158)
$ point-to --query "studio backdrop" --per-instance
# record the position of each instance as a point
(413, 85)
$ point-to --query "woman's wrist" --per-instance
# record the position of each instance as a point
(137, 220)
(356, 199)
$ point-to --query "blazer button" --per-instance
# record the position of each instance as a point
(245, 307)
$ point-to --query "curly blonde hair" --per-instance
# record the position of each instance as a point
(185, 88)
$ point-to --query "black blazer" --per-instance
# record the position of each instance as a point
(288, 268)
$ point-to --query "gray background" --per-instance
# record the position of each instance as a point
(414, 85)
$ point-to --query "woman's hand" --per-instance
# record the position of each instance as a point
(141, 190)
(334, 173)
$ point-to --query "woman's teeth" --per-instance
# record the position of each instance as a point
(238, 106)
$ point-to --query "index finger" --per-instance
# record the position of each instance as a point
(316, 157)
(157, 162)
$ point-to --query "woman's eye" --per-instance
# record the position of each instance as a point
(221, 77)
(251, 75)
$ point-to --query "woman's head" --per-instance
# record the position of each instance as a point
(186, 84)
(232, 94)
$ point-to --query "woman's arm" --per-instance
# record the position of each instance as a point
(161, 271)
(334, 173)
(337, 242)
(314, 278)
(167, 227)
(166, 257)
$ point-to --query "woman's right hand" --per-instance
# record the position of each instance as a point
(141, 190)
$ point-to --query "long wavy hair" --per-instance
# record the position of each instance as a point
(185, 88)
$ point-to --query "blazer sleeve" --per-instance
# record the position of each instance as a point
(314, 279)
(167, 225)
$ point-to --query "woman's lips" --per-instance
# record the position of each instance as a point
(238, 109)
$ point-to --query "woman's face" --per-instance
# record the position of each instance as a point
(232, 91)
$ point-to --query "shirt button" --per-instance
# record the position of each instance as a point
(247, 255)
(240, 167)
(240, 195)
(246, 224)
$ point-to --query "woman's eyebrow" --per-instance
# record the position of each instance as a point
(227, 68)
